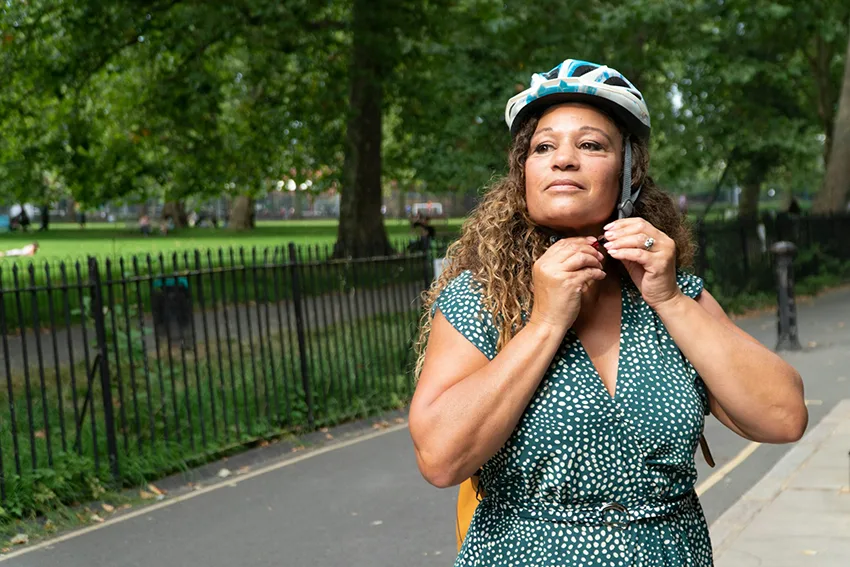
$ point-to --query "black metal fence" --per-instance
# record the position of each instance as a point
(145, 365)
(734, 257)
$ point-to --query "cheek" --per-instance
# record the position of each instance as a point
(532, 181)
(608, 179)
(533, 172)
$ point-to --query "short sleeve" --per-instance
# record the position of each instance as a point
(461, 303)
(692, 286)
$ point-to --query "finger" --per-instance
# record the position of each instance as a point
(635, 241)
(636, 226)
(637, 255)
(582, 260)
(589, 276)
(569, 249)
(621, 224)
(572, 242)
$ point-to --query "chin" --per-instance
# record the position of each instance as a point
(572, 222)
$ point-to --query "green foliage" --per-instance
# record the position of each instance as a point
(174, 99)
(72, 478)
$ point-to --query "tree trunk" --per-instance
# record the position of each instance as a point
(402, 202)
(242, 213)
(748, 206)
(298, 204)
(361, 226)
(833, 194)
(176, 211)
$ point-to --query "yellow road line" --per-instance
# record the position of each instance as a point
(727, 468)
(189, 495)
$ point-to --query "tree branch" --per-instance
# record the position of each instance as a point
(102, 63)
(718, 187)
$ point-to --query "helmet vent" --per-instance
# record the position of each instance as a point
(617, 82)
(553, 74)
(582, 70)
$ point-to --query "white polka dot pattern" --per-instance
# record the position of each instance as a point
(577, 448)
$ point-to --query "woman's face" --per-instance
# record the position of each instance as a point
(572, 174)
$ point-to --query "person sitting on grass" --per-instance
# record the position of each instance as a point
(28, 250)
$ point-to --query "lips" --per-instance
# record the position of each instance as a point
(565, 182)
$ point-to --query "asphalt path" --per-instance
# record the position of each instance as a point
(359, 500)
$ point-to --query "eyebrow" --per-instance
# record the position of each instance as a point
(582, 129)
(591, 128)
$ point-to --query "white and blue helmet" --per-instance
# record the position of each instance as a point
(590, 83)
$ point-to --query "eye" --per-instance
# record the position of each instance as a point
(591, 146)
(542, 148)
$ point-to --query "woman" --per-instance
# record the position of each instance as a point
(576, 376)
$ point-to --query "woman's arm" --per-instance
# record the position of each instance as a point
(466, 407)
(751, 389)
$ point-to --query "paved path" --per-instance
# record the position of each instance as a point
(366, 504)
(799, 513)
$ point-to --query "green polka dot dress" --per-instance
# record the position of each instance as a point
(587, 479)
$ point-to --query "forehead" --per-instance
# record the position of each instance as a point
(575, 115)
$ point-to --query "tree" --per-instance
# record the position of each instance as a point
(833, 196)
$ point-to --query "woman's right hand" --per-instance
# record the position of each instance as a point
(560, 276)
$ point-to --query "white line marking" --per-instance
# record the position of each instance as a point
(727, 468)
(189, 495)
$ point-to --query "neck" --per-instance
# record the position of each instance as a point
(598, 293)
(557, 234)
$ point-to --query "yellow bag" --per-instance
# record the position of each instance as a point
(468, 497)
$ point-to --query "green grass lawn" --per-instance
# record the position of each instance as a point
(66, 241)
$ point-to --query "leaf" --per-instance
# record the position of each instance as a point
(223, 473)
(146, 495)
(155, 490)
(107, 507)
(20, 539)
(96, 518)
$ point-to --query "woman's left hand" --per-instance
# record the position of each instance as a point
(652, 269)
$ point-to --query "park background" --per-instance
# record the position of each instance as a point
(326, 125)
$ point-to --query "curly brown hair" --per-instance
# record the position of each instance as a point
(499, 242)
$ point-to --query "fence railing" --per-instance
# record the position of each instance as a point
(144, 364)
(734, 257)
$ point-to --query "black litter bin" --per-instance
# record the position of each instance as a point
(172, 309)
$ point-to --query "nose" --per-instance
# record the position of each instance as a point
(565, 158)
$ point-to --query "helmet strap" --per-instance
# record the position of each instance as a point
(626, 208)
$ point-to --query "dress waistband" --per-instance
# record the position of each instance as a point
(610, 514)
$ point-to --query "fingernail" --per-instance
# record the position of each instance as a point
(607, 226)
(608, 244)
(609, 235)
(613, 252)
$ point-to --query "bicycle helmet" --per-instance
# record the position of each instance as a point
(596, 85)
